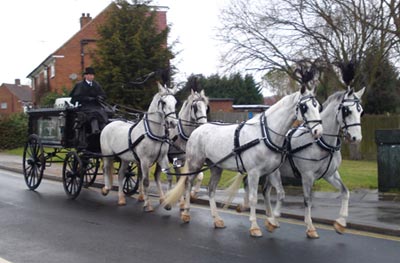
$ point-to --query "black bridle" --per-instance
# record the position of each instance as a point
(193, 108)
(303, 108)
(345, 111)
(162, 102)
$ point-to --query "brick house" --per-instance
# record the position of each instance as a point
(14, 98)
(221, 104)
(64, 67)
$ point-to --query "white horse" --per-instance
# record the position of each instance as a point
(253, 146)
(144, 143)
(311, 160)
(192, 114)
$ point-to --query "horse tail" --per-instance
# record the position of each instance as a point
(232, 189)
(173, 195)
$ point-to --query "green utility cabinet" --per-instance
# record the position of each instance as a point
(388, 147)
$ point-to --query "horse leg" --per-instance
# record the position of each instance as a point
(185, 214)
(245, 205)
(273, 180)
(121, 175)
(157, 180)
(197, 185)
(336, 181)
(307, 182)
(140, 197)
(147, 207)
(212, 187)
(255, 230)
(108, 175)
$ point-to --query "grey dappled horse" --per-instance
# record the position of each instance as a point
(252, 146)
(319, 159)
(144, 143)
(311, 160)
(192, 114)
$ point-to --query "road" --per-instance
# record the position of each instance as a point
(44, 226)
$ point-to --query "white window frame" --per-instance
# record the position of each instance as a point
(52, 71)
(3, 105)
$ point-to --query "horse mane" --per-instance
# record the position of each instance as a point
(338, 95)
(294, 97)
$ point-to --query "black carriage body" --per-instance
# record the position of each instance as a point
(63, 128)
(49, 125)
(66, 131)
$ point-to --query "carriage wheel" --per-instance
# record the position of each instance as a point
(33, 162)
(130, 182)
(72, 175)
(92, 168)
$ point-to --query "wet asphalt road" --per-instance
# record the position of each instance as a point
(44, 226)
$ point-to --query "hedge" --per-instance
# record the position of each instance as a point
(13, 131)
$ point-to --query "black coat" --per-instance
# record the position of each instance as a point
(87, 95)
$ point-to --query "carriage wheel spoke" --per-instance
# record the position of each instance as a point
(72, 169)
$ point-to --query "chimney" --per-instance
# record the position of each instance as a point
(85, 19)
(18, 82)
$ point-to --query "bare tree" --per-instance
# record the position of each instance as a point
(273, 35)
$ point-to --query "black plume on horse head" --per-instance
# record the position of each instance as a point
(307, 72)
(348, 71)
(164, 75)
(194, 83)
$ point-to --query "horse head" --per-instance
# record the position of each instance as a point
(308, 108)
(167, 104)
(198, 107)
(308, 111)
(349, 115)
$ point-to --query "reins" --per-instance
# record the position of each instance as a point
(265, 131)
(238, 149)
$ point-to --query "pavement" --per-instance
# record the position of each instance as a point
(369, 210)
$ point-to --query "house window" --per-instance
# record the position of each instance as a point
(45, 75)
(3, 105)
(52, 71)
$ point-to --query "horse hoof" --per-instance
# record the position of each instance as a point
(340, 229)
(239, 208)
(219, 223)
(104, 191)
(193, 198)
(312, 234)
(185, 218)
(140, 198)
(255, 232)
(270, 227)
(122, 202)
(148, 209)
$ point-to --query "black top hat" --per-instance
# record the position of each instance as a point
(89, 70)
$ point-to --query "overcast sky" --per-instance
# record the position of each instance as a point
(32, 30)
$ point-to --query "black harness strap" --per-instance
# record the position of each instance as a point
(331, 149)
(296, 171)
(181, 131)
(150, 134)
(240, 148)
(267, 137)
(320, 142)
(132, 145)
